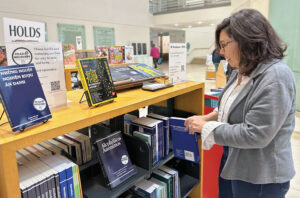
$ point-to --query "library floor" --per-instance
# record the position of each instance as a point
(197, 73)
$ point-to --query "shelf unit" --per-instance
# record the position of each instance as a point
(188, 96)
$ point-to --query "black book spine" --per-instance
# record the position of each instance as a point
(103, 169)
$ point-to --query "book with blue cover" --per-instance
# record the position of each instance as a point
(22, 96)
(114, 159)
(185, 145)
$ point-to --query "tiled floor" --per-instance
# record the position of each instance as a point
(197, 73)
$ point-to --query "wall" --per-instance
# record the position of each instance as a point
(120, 14)
(201, 41)
(202, 38)
(288, 28)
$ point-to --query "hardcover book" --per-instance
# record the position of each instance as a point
(185, 145)
(114, 159)
(116, 55)
(22, 96)
(96, 80)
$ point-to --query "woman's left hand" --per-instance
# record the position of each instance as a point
(194, 124)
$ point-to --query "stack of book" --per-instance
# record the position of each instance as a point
(74, 145)
(78, 146)
(164, 183)
(42, 174)
(152, 130)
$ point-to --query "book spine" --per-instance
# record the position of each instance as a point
(53, 186)
(103, 169)
(57, 186)
(5, 110)
(70, 182)
(167, 138)
(160, 140)
(63, 184)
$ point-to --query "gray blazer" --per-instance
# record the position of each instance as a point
(260, 123)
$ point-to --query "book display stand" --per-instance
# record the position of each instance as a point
(184, 97)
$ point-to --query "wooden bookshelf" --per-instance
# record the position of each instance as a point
(188, 96)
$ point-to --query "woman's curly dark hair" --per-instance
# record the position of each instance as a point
(256, 38)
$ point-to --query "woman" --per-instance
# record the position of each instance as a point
(256, 113)
(155, 54)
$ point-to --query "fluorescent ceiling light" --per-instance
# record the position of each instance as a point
(176, 24)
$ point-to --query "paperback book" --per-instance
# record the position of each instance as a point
(69, 54)
(22, 96)
(114, 159)
(96, 80)
(49, 64)
(116, 55)
(102, 51)
(3, 58)
(128, 54)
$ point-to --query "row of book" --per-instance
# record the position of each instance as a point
(47, 176)
(156, 129)
(77, 145)
(164, 183)
(114, 54)
(74, 145)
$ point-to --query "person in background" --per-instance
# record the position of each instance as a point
(216, 59)
(155, 54)
(255, 117)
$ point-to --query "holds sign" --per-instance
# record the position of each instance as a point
(20, 30)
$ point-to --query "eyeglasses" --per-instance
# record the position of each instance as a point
(224, 44)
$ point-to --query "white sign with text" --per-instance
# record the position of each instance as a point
(48, 61)
(177, 62)
(20, 30)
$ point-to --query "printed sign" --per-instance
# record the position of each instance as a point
(48, 61)
(20, 30)
(177, 62)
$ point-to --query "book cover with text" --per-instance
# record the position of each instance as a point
(69, 54)
(114, 159)
(96, 80)
(185, 145)
(22, 96)
(116, 55)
